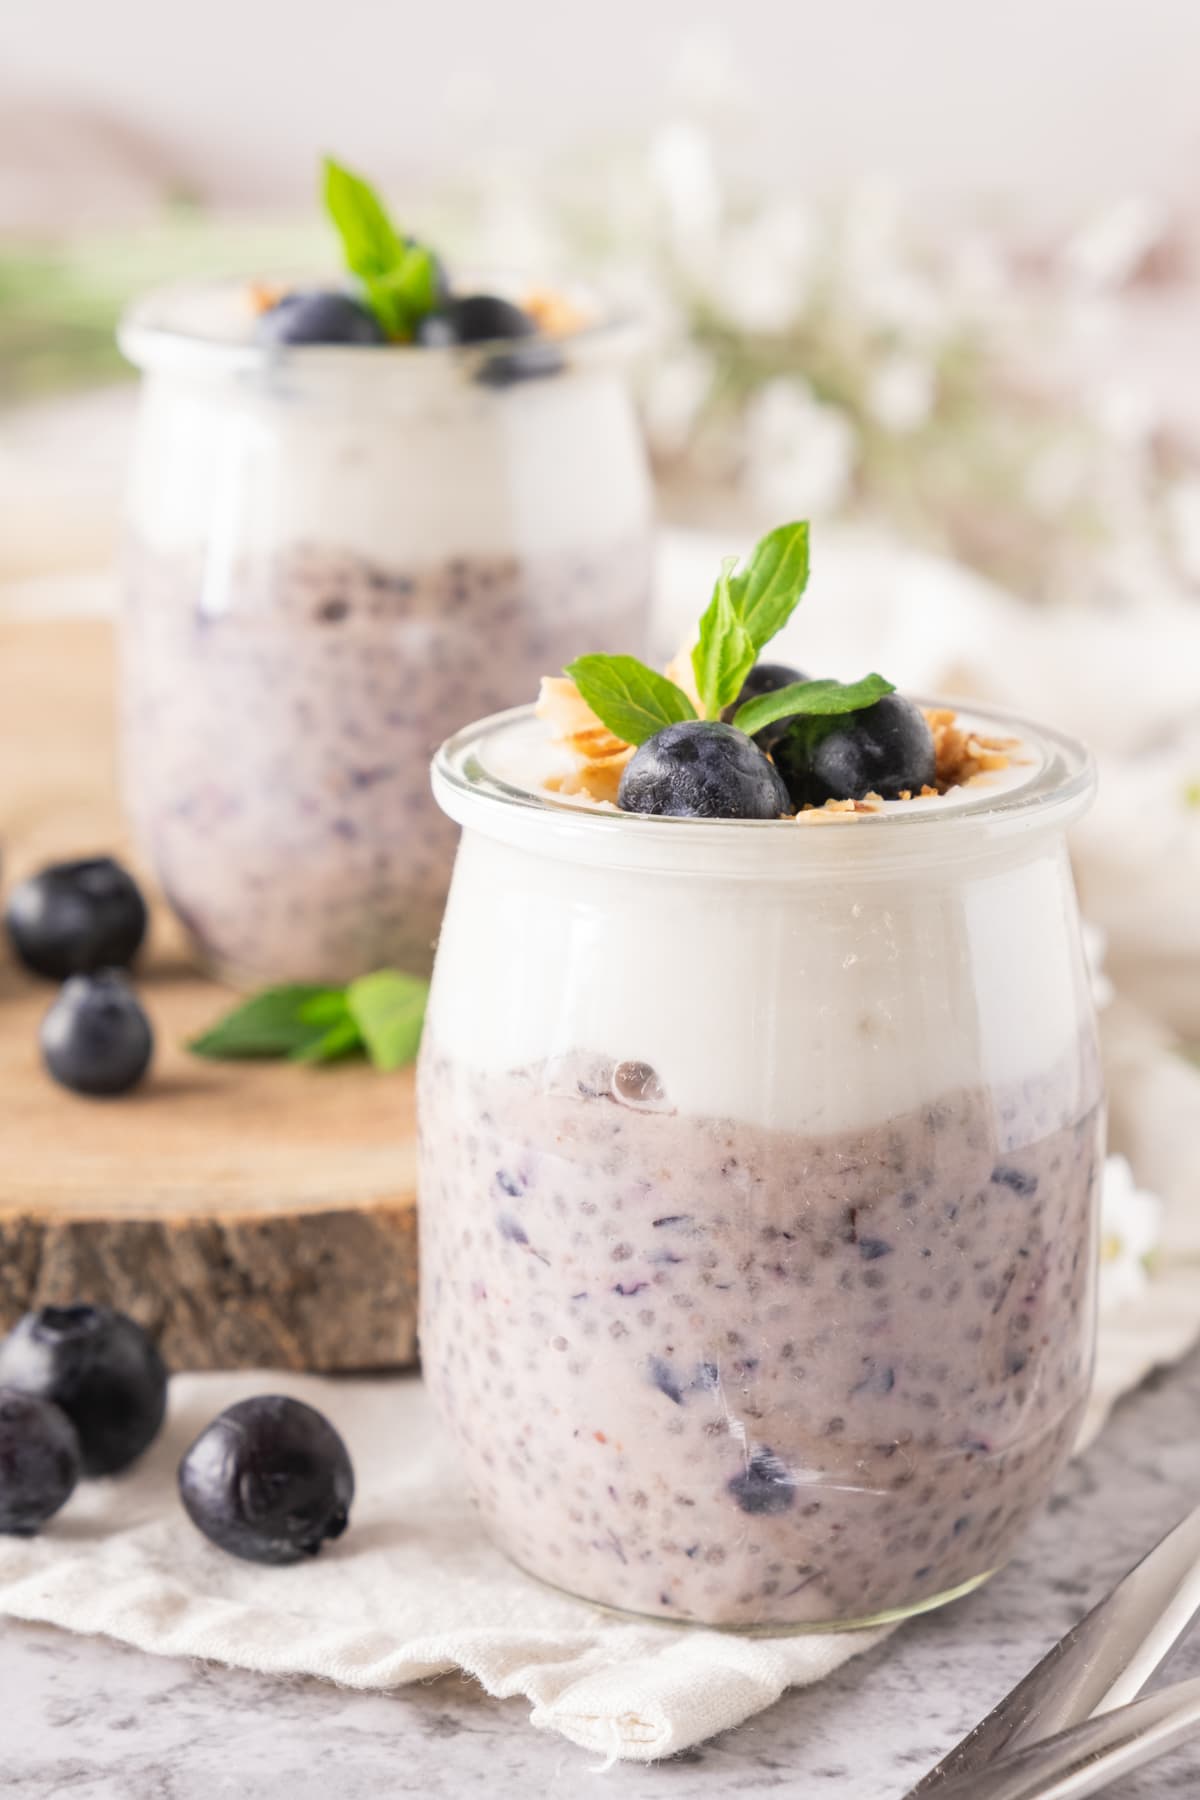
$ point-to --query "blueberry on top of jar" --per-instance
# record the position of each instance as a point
(885, 749)
(702, 769)
(474, 319)
(766, 678)
(318, 316)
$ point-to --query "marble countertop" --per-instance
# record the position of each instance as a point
(87, 1719)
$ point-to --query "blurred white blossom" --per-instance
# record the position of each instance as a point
(684, 175)
(950, 375)
(1095, 943)
(901, 393)
(800, 454)
(1130, 1230)
(675, 390)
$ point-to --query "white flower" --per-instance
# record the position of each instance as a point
(1130, 1228)
(683, 173)
(800, 454)
(673, 395)
(1095, 944)
(1183, 520)
(767, 269)
(901, 393)
(1108, 251)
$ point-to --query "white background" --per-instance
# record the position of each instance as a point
(1068, 99)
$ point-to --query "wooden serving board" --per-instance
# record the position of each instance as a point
(249, 1214)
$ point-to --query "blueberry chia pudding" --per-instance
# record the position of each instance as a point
(277, 753)
(761, 1122)
(749, 1377)
(356, 513)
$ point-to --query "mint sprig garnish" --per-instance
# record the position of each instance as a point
(634, 701)
(747, 609)
(814, 699)
(399, 277)
(746, 612)
(725, 652)
(379, 1014)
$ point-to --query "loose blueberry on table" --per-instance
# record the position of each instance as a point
(100, 1369)
(72, 918)
(39, 1461)
(270, 1480)
(96, 1038)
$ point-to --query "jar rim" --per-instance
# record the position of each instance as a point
(154, 334)
(1059, 788)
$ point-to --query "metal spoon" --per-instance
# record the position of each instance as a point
(1089, 1756)
(1101, 1663)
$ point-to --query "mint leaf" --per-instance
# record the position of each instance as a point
(399, 276)
(724, 653)
(372, 245)
(340, 1039)
(814, 699)
(632, 700)
(770, 589)
(281, 1021)
(388, 1009)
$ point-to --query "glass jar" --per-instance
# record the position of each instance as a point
(335, 554)
(759, 1167)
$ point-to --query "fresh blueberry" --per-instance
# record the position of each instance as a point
(101, 1369)
(318, 316)
(269, 1480)
(766, 678)
(701, 769)
(73, 917)
(885, 749)
(765, 1485)
(39, 1461)
(474, 319)
(96, 1039)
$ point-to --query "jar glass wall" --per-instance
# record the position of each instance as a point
(758, 1192)
(334, 554)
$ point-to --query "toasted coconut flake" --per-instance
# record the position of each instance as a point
(261, 296)
(961, 755)
(600, 756)
(554, 313)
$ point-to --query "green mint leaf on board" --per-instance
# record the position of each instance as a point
(388, 1009)
(812, 699)
(339, 1039)
(279, 1022)
(725, 652)
(632, 700)
(768, 591)
(399, 277)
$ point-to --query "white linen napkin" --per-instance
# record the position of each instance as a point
(413, 1589)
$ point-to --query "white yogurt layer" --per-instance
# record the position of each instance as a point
(393, 454)
(801, 981)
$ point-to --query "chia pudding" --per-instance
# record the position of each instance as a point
(758, 1188)
(334, 550)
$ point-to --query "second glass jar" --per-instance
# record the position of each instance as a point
(335, 554)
